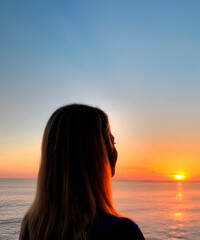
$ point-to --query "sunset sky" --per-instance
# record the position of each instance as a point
(137, 60)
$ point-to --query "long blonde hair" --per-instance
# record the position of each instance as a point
(74, 180)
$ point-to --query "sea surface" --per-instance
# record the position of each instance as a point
(162, 210)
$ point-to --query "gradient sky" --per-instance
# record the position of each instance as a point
(137, 60)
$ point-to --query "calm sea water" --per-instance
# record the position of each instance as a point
(163, 210)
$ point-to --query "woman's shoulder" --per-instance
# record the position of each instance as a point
(108, 226)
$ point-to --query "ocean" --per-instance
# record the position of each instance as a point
(162, 210)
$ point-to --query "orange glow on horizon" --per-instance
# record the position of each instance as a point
(137, 161)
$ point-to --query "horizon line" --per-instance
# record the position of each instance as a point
(131, 180)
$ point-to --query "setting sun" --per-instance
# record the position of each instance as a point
(179, 176)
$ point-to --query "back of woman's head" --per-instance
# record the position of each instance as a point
(74, 175)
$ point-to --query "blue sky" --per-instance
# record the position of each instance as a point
(138, 60)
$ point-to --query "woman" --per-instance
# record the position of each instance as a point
(73, 197)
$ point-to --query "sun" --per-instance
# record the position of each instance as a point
(179, 177)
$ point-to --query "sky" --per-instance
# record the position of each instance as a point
(138, 60)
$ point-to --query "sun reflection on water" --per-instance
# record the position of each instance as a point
(179, 191)
(178, 214)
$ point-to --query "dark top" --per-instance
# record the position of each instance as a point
(115, 228)
(109, 227)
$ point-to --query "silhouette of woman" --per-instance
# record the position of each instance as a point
(73, 197)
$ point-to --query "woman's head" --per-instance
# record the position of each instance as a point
(78, 135)
(74, 181)
(78, 148)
